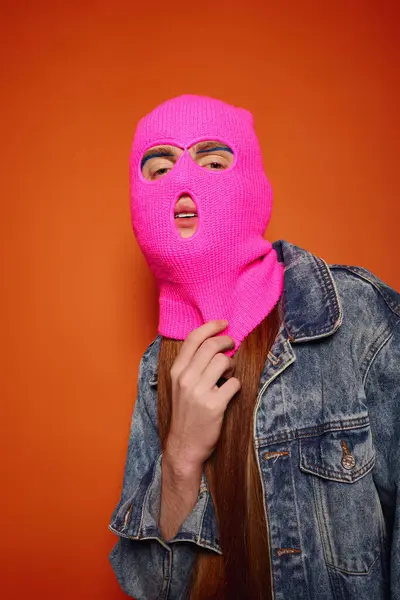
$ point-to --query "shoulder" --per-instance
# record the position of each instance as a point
(321, 297)
(361, 288)
(371, 311)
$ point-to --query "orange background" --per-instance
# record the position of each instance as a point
(79, 304)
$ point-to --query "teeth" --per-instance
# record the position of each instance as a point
(183, 215)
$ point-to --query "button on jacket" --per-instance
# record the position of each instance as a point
(327, 440)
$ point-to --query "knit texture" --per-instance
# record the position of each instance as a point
(226, 269)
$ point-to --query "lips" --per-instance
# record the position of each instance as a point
(185, 205)
(185, 215)
(185, 209)
(186, 222)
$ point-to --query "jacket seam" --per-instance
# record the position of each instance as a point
(315, 431)
(333, 475)
(140, 529)
(201, 537)
(372, 351)
(141, 385)
(378, 350)
(329, 283)
(168, 575)
(203, 543)
(394, 307)
(299, 529)
(148, 414)
(137, 538)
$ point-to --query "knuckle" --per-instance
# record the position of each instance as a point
(223, 360)
(211, 344)
(184, 381)
(211, 405)
(197, 395)
(237, 382)
(233, 385)
(191, 336)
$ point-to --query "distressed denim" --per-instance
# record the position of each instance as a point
(327, 440)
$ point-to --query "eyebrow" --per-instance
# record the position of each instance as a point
(208, 146)
(158, 152)
(215, 148)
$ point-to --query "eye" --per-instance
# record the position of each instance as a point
(158, 161)
(215, 165)
(213, 162)
(212, 155)
(159, 173)
(155, 168)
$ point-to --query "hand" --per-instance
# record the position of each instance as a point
(198, 404)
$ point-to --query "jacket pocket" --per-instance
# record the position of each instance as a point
(345, 497)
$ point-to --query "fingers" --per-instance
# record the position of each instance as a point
(208, 352)
(198, 403)
(226, 392)
(218, 366)
(194, 340)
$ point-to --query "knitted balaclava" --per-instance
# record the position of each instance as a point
(226, 269)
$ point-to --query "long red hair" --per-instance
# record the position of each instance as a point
(243, 571)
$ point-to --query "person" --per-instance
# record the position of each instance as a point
(264, 450)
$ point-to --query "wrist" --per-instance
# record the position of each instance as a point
(180, 467)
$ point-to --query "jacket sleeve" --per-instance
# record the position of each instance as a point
(146, 566)
(382, 387)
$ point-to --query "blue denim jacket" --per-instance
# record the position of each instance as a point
(327, 439)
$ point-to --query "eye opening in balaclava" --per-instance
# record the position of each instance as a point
(205, 153)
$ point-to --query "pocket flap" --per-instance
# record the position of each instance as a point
(343, 456)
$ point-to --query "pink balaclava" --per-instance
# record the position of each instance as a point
(226, 269)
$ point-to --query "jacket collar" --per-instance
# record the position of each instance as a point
(311, 303)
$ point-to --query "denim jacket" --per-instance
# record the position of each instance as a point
(327, 440)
